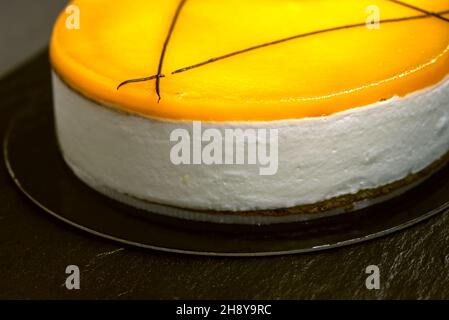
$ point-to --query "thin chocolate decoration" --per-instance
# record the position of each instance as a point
(164, 49)
(140, 80)
(303, 35)
(436, 15)
(159, 75)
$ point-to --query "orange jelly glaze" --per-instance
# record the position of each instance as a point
(306, 77)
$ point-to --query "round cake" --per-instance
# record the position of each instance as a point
(257, 111)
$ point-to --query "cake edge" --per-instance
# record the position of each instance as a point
(334, 205)
(327, 208)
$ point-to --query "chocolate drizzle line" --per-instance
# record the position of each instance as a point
(436, 15)
(140, 80)
(159, 74)
(426, 14)
(303, 35)
(167, 40)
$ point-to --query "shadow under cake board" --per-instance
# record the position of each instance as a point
(36, 166)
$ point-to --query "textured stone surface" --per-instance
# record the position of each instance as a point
(35, 250)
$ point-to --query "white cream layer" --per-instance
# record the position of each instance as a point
(319, 158)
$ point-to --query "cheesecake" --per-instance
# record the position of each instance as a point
(257, 111)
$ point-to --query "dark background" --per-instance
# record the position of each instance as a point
(35, 248)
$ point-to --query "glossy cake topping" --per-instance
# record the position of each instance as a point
(251, 60)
